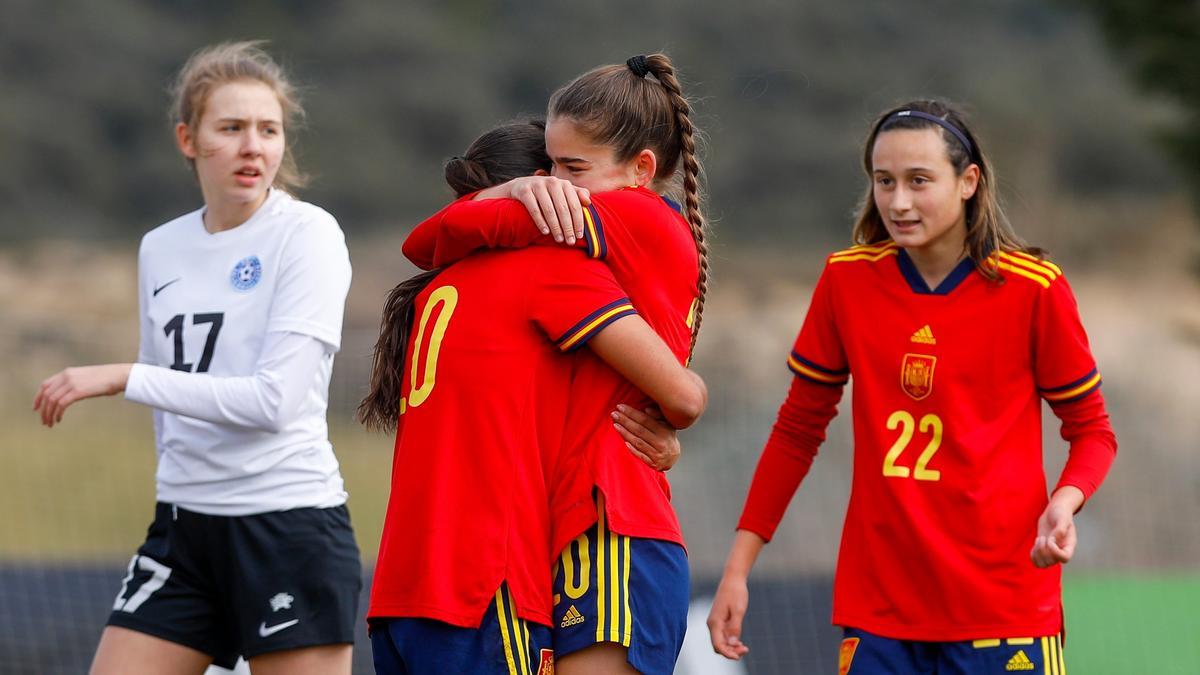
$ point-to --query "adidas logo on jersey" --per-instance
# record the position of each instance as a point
(1019, 661)
(571, 618)
(924, 336)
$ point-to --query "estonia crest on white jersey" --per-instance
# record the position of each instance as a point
(207, 303)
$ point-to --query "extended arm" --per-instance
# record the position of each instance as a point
(465, 226)
(511, 215)
(635, 351)
(798, 433)
(1093, 447)
(267, 400)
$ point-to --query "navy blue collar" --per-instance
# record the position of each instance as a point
(673, 204)
(915, 281)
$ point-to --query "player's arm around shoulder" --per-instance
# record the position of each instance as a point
(635, 351)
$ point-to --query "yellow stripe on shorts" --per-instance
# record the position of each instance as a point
(522, 631)
(625, 588)
(601, 587)
(614, 599)
(505, 635)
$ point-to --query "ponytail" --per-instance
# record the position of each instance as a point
(380, 409)
(661, 68)
(620, 107)
(510, 150)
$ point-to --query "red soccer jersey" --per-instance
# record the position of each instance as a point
(650, 249)
(948, 482)
(476, 444)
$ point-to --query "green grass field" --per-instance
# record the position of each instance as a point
(1133, 623)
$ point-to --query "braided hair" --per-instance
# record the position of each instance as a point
(637, 105)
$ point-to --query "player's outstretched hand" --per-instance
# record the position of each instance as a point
(555, 205)
(725, 619)
(1056, 537)
(648, 436)
(74, 384)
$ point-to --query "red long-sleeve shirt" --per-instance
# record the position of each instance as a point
(948, 481)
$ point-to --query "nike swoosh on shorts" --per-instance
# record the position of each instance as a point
(264, 631)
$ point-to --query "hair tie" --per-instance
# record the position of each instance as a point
(954, 131)
(638, 65)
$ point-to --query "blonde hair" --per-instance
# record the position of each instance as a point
(219, 64)
(620, 107)
(988, 229)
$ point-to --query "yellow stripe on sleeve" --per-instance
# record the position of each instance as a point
(582, 333)
(1021, 254)
(872, 257)
(1063, 395)
(1046, 656)
(866, 248)
(1041, 280)
(1032, 266)
(590, 228)
(815, 374)
(1062, 660)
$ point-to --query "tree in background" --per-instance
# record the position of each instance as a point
(1161, 39)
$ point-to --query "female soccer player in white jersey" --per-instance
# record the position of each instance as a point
(251, 551)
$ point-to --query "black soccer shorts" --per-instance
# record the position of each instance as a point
(234, 586)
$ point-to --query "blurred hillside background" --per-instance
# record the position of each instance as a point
(1086, 118)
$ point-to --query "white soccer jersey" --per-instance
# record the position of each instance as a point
(239, 329)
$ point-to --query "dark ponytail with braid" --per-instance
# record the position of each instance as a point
(506, 152)
(619, 106)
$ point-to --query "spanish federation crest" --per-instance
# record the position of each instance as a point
(246, 273)
(916, 375)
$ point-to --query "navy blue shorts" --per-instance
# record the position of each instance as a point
(864, 653)
(504, 644)
(234, 586)
(626, 590)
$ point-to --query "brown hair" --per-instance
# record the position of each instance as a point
(506, 152)
(988, 228)
(219, 64)
(619, 107)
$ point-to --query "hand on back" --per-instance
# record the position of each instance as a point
(648, 436)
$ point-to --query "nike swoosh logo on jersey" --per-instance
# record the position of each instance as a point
(264, 631)
(159, 289)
